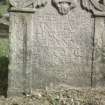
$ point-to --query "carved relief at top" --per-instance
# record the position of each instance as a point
(95, 6)
(63, 6)
(28, 3)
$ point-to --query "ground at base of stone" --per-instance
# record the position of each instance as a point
(59, 97)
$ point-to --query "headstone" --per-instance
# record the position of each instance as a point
(52, 42)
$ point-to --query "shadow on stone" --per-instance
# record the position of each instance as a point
(3, 75)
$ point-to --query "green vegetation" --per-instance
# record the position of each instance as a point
(3, 66)
(3, 47)
(3, 8)
(3, 54)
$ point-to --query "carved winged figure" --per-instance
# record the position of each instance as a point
(27, 3)
(93, 5)
(63, 6)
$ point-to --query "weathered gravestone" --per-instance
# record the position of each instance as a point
(56, 42)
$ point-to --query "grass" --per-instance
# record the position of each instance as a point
(3, 66)
(58, 97)
(3, 9)
(3, 47)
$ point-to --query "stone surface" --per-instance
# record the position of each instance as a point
(99, 53)
(21, 48)
(98, 74)
(62, 47)
(55, 45)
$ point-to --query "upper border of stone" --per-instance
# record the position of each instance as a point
(22, 3)
(25, 10)
(26, 5)
(96, 7)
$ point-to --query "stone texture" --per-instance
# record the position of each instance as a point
(98, 60)
(55, 44)
(62, 47)
(20, 47)
(99, 53)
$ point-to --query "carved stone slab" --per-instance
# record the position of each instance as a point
(63, 47)
(55, 45)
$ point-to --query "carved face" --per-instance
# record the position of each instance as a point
(63, 6)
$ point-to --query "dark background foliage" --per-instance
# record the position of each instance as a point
(3, 52)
